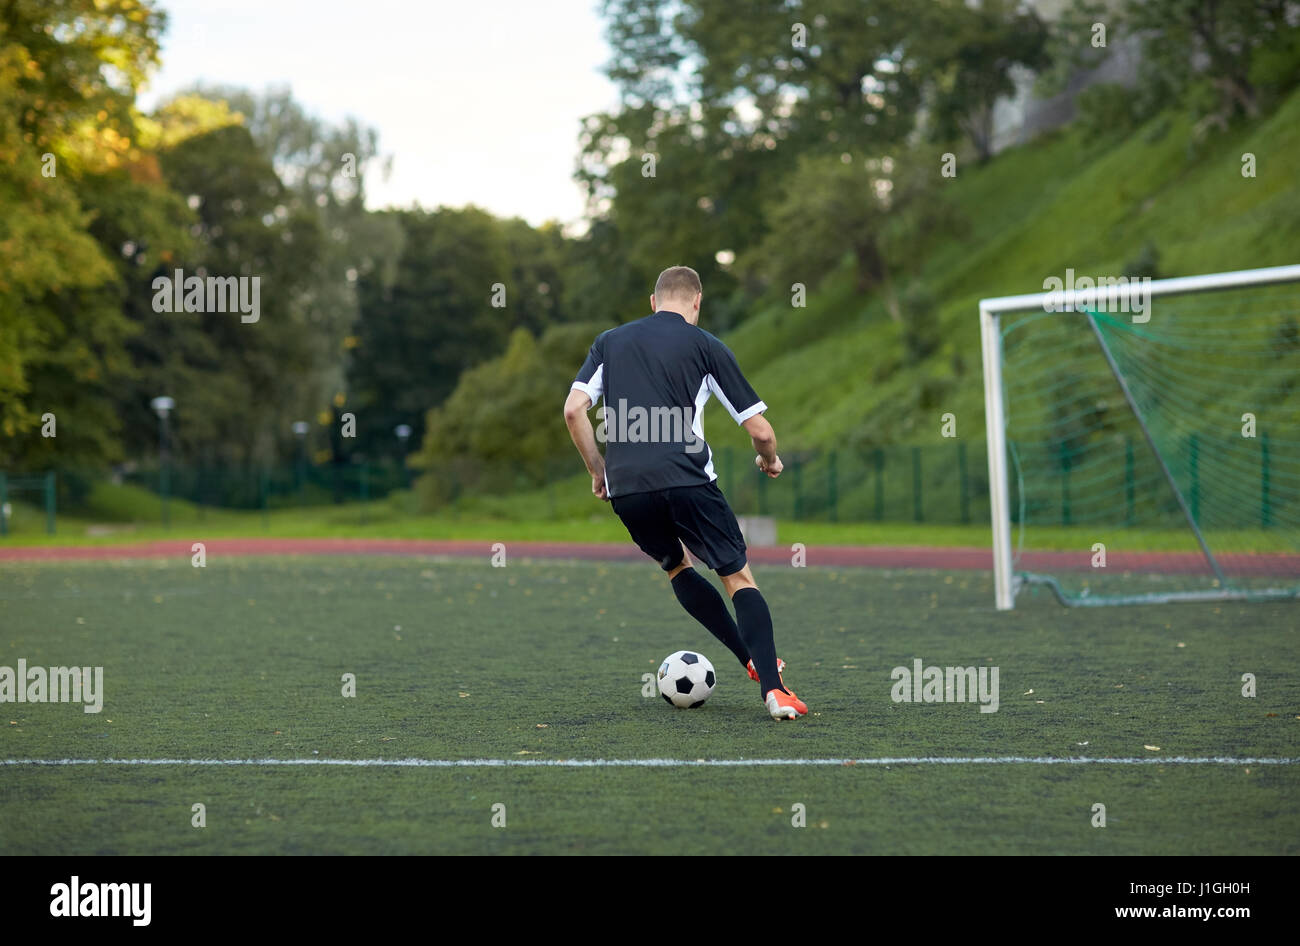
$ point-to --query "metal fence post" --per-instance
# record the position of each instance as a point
(963, 486)
(365, 491)
(798, 490)
(1129, 487)
(550, 486)
(1265, 513)
(832, 496)
(50, 500)
(1065, 484)
(916, 485)
(879, 459)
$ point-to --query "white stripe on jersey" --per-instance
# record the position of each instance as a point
(697, 422)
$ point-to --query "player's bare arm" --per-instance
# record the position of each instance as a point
(764, 438)
(584, 438)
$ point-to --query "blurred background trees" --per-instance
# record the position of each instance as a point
(764, 143)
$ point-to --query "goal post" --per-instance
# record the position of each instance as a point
(1110, 407)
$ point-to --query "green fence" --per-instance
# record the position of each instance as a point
(943, 483)
(153, 496)
(271, 488)
(35, 492)
(1112, 481)
(939, 483)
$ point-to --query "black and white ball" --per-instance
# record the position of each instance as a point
(686, 679)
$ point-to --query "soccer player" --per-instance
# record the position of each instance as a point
(656, 374)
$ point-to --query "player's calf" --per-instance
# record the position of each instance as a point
(701, 600)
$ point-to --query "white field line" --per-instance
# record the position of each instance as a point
(667, 763)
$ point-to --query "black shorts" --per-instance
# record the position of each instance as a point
(660, 521)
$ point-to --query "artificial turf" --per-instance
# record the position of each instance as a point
(460, 660)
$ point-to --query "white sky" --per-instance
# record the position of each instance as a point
(478, 101)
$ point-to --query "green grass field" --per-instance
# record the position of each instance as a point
(456, 660)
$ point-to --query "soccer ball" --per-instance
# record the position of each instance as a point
(686, 679)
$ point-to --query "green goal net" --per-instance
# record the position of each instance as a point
(1153, 455)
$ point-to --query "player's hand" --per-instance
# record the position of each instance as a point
(598, 488)
(772, 469)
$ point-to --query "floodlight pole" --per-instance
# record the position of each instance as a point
(300, 428)
(162, 406)
(403, 432)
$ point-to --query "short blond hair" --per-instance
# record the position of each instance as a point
(677, 281)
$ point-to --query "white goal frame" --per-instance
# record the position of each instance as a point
(1113, 296)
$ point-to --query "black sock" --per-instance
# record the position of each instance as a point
(702, 602)
(755, 622)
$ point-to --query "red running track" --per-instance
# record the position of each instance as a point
(851, 556)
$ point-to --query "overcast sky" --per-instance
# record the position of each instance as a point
(477, 102)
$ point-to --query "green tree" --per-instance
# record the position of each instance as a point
(434, 319)
(601, 284)
(839, 75)
(1216, 53)
(512, 437)
(690, 193)
(68, 75)
(881, 211)
(324, 168)
(238, 385)
(971, 55)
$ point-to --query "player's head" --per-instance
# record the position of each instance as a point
(678, 290)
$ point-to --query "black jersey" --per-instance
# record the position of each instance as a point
(656, 374)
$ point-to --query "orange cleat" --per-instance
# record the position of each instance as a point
(785, 705)
(753, 674)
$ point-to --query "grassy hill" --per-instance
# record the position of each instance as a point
(836, 376)
(834, 373)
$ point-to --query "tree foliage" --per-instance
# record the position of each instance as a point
(501, 419)
(68, 75)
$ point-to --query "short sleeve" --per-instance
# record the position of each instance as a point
(591, 376)
(729, 386)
